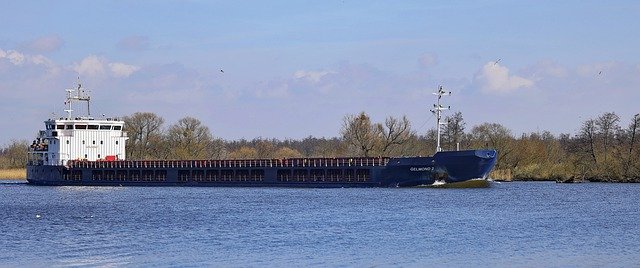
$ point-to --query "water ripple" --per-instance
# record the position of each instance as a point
(510, 224)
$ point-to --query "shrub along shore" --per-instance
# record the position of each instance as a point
(13, 174)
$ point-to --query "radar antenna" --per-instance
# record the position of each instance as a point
(437, 110)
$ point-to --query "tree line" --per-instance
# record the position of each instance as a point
(605, 149)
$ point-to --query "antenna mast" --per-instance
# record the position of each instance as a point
(437, 110)
(79, 96)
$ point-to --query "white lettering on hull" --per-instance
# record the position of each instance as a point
(420, 169)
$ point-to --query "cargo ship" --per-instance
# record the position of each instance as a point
(85, 151)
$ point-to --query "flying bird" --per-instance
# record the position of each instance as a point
(496, 63)
(600, 72)
(222, 71)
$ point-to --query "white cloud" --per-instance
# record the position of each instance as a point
(122, 70)
(313, 76)
(97, 66)
(41, 60)
(19, 59)
(15, 57)
(90, 66)
(495, 78)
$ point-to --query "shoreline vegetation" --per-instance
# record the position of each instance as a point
(604, 150)
(13, 174)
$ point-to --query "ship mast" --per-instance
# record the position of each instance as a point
(437, 110)
(79, 96)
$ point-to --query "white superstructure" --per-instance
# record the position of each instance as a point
(79, 138)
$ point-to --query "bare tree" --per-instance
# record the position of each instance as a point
(145, 135)
(633, 130)
(190, 139)
(14, 155)
(453, 131)
(359, 132)
(217, 149)
(607, 125)
(395, 132)
(244, 152)
(286, 152)
(265, 148)
(494, 135)
(588, 135)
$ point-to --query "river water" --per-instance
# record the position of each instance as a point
(510, 224)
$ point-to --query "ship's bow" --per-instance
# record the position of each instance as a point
(459, 166)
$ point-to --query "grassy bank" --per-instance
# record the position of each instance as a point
(14, 173)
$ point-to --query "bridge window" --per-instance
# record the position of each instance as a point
(59, 126)
(117, 127)
(81, 126)
(92, 127)
(103, 127)
(69, 127)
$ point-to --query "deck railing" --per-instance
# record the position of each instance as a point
(248, 163)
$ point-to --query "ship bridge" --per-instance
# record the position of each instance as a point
(78, 138)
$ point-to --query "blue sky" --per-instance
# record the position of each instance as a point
(296, 68)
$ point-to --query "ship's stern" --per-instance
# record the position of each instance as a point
(45, 175)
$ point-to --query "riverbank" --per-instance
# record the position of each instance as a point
(13, 174)
(506, 175)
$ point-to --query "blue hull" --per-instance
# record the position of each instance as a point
(447, 167)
